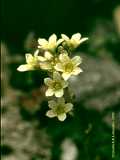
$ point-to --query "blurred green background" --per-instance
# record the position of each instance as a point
(87, 135)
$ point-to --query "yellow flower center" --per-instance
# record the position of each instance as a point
(57, 85)
(35, 62)
(59, 109)
(68, 67)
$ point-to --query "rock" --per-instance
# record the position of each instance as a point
(69, 150)
(98, 86)
(22, 137)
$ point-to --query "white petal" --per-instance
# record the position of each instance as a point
(48, 55)
(59, 41)
(62, 117)
(42, 59)
(51, 104)
(59, 67)
(83, 39)
(77, 70)
(68, 107)
(24, 67)
(64, 37)
(66, 76)
(42, 42)
(36, 53)
(50, 114)
(64, 58)
(76, 36)
(76, 60)
(29, 58)
(59, 93)
(48, 81)
(52, 39)
(45, 65)
(49, 92)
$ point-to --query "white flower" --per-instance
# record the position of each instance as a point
(68, 66)
(51, 44)
(56, 85)
(46, 62)
(59, 109)
(75, 40)
(32, 63)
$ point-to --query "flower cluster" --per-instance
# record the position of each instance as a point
(56, 60)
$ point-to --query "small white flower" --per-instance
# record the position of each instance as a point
(51, 44)
(59, 109)
(47, 62)
(32, 63)
(56, 85)
(68, 66)
(75, 40)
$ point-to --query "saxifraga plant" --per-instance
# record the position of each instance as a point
(60, 65)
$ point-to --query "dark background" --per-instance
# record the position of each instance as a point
(45, 17)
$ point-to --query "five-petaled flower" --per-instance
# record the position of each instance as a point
(56, 85)
(51, 44)
(59, 109)
(32, 63)
(68, 66)
(75, 40)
